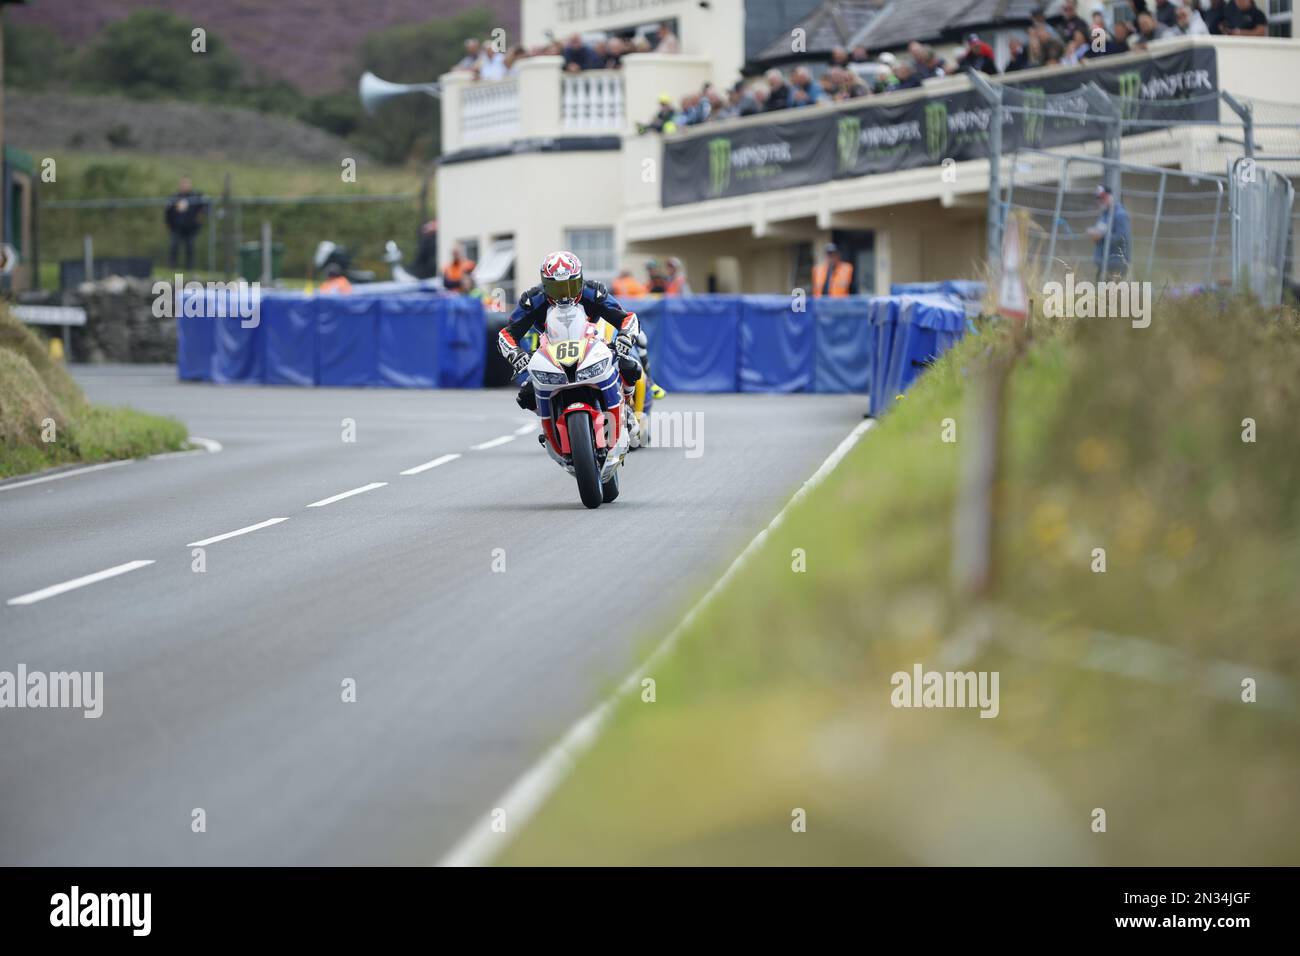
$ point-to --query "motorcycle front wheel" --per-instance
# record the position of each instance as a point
(583, 447)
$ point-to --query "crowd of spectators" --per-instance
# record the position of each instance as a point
(1064, 40)
(487, 60)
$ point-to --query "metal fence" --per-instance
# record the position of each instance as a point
(135, 228)
(1175, 177)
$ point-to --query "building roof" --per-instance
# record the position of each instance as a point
(903, 21)
(834, 23)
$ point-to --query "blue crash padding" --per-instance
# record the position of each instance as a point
(927, 326)
(238, 341)
(776, 345)
(407, 355)
(461, 330)
(884, 317)
(697, 349)
(196, 347)
(347, 336)
(844, 344)
(289, 331)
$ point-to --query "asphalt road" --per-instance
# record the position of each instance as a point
(223, 688)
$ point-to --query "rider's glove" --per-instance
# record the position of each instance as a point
(623, 344)
(518, 360)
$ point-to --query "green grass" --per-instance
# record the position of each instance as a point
(363, 228)
(46, 421)
(778, 696)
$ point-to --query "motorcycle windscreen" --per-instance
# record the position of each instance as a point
(566, 322)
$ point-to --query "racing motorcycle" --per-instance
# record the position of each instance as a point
(580, 402)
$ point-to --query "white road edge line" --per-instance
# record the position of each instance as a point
(234, 534)
(66, 474)
(525, 429)
(527, 794)
(493, 443)
(431, 464)
(210, 445)
(56, 589)
(347, 494)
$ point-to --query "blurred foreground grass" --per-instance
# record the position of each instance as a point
(1118, 690)
(38, 398)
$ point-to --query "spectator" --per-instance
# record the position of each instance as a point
(1148, 31)
(1214, 16)
(833, 277)
(1019, 56)
(978, 57)
(1039, 25)
(1242, 18)
(578, 56)
(626, 286)
(658, 283)
(425, 265)
(906, 76)
(615, 50)
(676, 283)
(457, 275)
(805, 91)
(335, 281)
(184, 218)
(839, 56)
(513, 59)
(492, 64)
(927, 64)
(1123, 33)
(1166, 14)
(779, 95)
(641, 45)
(1053, 52)
(470, 60)
(761, 95)
(1078, 47)
(668, 42)
(1114, 218)
(1071, 21)
(665, 120)
(1189, 24)
(859, 55)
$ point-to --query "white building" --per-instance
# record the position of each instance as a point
(547, 159)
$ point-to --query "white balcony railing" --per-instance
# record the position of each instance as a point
(489, 111)
(592, 100)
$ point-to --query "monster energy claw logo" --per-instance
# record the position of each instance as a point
(719, 166)
(1035, 103)
(1130, 85)
(936, 128)
(849, 135)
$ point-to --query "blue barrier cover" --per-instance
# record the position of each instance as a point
(884, 317)
(461, 330)
(921, 322)
(289, 330)
(238, 357)
(776, 345)
(407, 355)
(844, 344)
(698, 343)
(196, 348)
(348, 340)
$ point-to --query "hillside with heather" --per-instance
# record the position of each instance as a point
(327, 34)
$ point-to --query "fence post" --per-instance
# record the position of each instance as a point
(1099, 100)
(88, 257)
(266, 252)
(993, 96)
(1247, 117)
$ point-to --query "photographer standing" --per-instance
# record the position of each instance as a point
(184, 217)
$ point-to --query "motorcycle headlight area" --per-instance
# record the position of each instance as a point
(549, 378)
(599, 370)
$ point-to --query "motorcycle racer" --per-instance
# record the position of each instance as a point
(562, 283)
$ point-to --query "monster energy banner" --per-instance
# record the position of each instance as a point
(1173, 88)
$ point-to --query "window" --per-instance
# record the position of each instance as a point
(469, 248)
(1279, 18)
(595, 247)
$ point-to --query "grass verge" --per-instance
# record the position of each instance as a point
(46, 421)
(1121, 691)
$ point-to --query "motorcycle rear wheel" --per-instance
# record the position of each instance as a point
(583, 447)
